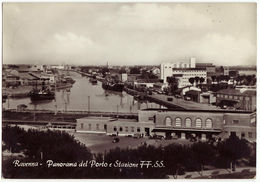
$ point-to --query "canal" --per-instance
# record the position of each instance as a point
(84, 96)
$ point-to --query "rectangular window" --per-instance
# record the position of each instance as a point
(250, 135)
(230, 96)
(235, 97)
(235, 121)
(81, 125)
(126, 129)
(241, 97)
(138, 129)
(97, 126)
(226, 96)
(242, 135)
(89, 126)
(132, 129)
(151, 118)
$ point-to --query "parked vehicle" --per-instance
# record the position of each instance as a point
(187, 98)
(137, 135)
(115, 140)
(160, 137)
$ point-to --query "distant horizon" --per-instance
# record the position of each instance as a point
(122, 65)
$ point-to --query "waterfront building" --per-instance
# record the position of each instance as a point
(148, 83)
(166, 68)
(184, 71)
(243, 99)
(210, 68)
(183, 75)
(27, 78)
(181, 124)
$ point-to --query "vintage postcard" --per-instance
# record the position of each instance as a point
(158, 90)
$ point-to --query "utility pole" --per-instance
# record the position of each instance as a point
(117, 110)
(8, 104)
(88, 104)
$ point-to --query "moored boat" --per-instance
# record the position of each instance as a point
(118, 87)
(42, 94)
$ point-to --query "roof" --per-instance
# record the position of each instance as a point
(27, 76)
(147, 80)
(200, 111)
(202, 69)
(237, 92)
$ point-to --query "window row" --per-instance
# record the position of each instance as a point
(188, 122)
(231, 96)
(127, 129)
(96, 126)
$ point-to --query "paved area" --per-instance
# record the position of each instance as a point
(99, 143)
(211, 173)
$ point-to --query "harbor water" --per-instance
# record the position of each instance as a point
(83, 96)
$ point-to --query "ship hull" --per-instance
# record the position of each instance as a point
(36, 97)
(115, 87)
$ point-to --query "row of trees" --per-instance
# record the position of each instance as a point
(196, 80)
(61, 147)
(240, 79)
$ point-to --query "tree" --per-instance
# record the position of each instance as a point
(232, 149)
(135, 70)
(122, 70)
(227, 78)
(197, 80)
(191, 80)
(248, 79)
(176, 158)
(40, 146)
(202, 154)
(173, 83)
(201, 80)
(213, 78)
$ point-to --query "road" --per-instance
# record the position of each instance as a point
(187, 105)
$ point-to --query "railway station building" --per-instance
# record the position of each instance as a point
(180, 124)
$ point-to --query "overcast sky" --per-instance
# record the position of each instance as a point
(129, 33)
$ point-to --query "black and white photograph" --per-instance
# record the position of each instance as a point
(129, 90)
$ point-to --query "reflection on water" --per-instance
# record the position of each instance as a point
(83, 96)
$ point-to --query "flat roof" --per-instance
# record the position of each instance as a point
(97, 118)
(237, 92)
(191, 110)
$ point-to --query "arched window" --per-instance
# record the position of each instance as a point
(198, 123)
(208, 123)
(168, 121)
(178, 122)
(188, 122)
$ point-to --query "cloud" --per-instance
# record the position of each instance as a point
(129, 33)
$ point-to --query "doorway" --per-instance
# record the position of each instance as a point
(147, 131)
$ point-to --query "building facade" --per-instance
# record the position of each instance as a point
(242, 99)
(166, 68)
(181, 124)
(183, 75)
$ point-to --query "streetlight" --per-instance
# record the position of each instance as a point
(89, 104)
